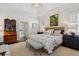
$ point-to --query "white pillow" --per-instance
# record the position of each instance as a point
(49, 32)
(57, 33)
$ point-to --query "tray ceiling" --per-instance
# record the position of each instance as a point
(32, 9)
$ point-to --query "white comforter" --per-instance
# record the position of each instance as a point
(41, 40)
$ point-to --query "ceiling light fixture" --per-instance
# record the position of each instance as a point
(37, 5)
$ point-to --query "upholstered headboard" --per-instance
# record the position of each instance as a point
(55, 28)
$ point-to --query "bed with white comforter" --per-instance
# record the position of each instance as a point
(48, 42)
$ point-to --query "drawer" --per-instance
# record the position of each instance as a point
(10, 39)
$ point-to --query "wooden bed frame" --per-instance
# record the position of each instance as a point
(42, 49)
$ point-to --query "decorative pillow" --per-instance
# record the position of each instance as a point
(57, 33)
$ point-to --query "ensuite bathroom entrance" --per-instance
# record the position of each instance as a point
(23, 32)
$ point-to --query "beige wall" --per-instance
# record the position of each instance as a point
(18, 16)
(63, 16)
(44, 19)
(1, 30)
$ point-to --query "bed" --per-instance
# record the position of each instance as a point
(45, 41)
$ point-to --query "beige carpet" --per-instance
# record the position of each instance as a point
(20, 49)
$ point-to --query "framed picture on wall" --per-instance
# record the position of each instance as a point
(54, 20)
(34, 25)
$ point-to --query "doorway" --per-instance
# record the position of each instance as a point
(23, 31)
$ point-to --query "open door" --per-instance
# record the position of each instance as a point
(23, 30)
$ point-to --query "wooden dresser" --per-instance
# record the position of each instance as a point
(10, 35)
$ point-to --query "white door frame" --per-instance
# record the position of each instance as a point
(24, 30)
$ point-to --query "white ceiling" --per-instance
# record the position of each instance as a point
(30, 10)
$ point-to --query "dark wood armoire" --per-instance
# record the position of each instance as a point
(10, 35)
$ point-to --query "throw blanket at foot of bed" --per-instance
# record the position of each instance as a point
(44, 41)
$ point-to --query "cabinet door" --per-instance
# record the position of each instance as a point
(77, 43)
(13, 25)
(7, 25)
(64, 39)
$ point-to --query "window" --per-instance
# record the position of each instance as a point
(74, 18)
(77, 23)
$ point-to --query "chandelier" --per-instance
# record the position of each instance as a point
(37, 5)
